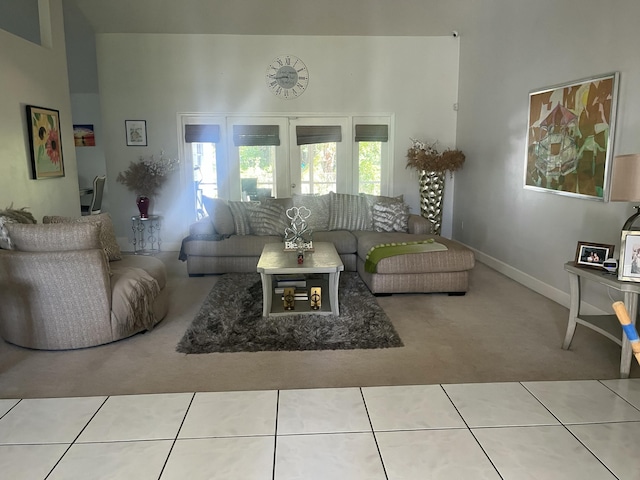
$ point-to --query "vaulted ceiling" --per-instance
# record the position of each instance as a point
(279, 17)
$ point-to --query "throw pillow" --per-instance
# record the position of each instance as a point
(54, 238)
(107, 232)
(220, 214)
(349, 212)
(319, 205)
(240, 214)
(390, 217)
(373, 199)
(268, 219)
(10, 215)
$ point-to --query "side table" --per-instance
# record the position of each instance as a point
(146, 234)
(607, 325)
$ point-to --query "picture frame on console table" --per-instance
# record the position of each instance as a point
(570, 132)
(629, 266)
(593, 255)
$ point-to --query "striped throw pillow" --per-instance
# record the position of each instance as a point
(349, 212)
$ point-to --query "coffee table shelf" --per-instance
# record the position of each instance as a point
(304, 306)
(323, 262)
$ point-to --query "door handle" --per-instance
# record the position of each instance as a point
(293, 185)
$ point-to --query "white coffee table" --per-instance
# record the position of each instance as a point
(323, 266)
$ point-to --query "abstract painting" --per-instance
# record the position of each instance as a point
(570, 134)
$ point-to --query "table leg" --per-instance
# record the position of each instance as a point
(334, 279)
(574, 309)
(631, 304)
(267, 294)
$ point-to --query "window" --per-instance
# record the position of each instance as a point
(201, 142)
(250, 157)
(257, 155)
(370, 139)
(318, 157)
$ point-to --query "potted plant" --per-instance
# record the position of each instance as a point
(146, 177)
(432, 165)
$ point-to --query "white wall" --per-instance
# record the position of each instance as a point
(85, 108)
(154, 77)
(32, 74)
(507, 50)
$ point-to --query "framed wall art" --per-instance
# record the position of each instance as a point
(589, 254)
(84, 136)
(136, 133)
(570, 134)
(45, 145)
(629, 265)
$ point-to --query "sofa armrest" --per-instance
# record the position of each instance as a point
(55, 300)
(419, 225)
(204, 226)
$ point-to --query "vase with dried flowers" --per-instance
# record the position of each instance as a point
(432, 165)
(146, 177)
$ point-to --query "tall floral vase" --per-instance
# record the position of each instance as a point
(431, 195)
(143, 206)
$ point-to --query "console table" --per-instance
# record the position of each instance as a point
(146, 234)
(607, 325)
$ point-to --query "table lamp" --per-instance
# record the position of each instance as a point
(625, 184)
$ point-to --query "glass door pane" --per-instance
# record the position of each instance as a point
(318, 168)
(257, 170)
(369, 167)
(205, 175)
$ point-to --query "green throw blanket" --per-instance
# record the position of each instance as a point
(385, 250)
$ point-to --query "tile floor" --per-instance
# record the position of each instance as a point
(530, 430)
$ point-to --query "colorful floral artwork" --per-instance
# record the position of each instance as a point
(570, 136)
(45, 143)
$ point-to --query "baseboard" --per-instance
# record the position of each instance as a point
(552, 293)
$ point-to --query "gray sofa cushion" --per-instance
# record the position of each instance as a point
(268, 219)
(344, 241)
(319, 207)
(240, 213)
(220, 214)
(349, 212)
(234, 246)
(456, 258)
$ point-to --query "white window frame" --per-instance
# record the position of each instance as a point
(287, 168)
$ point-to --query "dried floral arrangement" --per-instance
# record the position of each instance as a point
(425, 156)
(146, 176)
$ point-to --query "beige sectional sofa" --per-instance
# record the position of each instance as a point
(226, 242)
(66, 285)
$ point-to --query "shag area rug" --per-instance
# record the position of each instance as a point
(230, 320)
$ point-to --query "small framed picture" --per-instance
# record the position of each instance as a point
(590, 254)
(629, 265)
(136, 133)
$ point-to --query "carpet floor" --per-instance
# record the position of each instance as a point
(230, 320)
(500, 331)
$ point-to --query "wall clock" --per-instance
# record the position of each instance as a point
(287, 76)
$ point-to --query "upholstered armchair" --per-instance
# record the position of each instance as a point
(58, 289)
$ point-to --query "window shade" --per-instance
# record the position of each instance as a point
(255, 135)
(307, 135)
(202, 133)
(372, 133)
